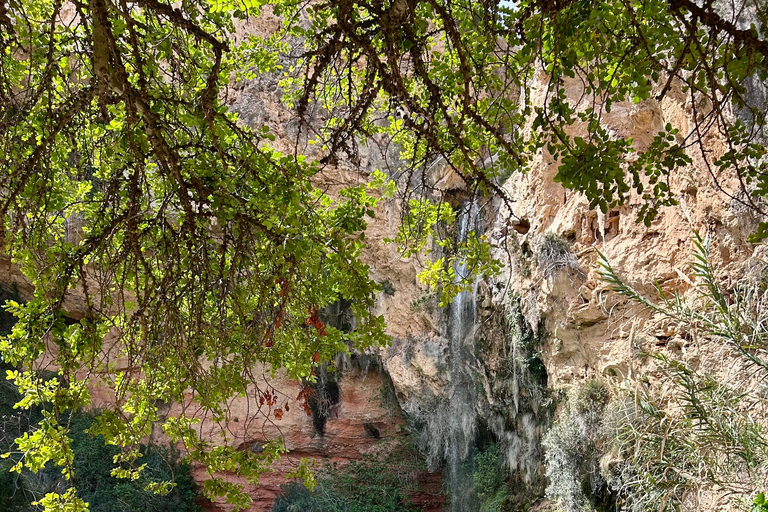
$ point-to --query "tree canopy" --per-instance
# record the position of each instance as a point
(201, 252)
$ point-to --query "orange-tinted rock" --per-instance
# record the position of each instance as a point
(359, 424)
(430, 497)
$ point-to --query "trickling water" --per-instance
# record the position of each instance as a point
(502, 402)
(462, 405)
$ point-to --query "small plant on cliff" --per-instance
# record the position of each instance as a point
(489, 471)
(387, 288)
(554, 254)
(525, 342)
(760, 503)
(572, 449)
(426, 303)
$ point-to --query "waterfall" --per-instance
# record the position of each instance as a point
(492, 392)
(462, 404)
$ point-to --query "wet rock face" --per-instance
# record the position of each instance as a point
(550, 288)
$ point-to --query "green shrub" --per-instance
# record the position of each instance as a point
(496, 502)
(489, 472)
(707, 431)
(760, 504)
(490, 477)
(572, 448)
(387, 287)
(426, 303)
(105, 493)
(591, 397)
(92, 466)
(371, 484)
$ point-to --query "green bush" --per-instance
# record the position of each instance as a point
(93, 461)
(496, 502)
(92, 467)
(760, 504)
(590, 398)
(489, 472)
(572, 448)
(387, 287)
(490, 477)
(371, 484)
(105, 493)
(706, 432)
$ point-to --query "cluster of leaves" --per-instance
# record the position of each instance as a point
(19, 490)
(464, 253)
(374, 483)
(93, 470)
(760, 504)
(454, 82)
(707, 430)
(97, 484)
(198, 250)
(490, 478)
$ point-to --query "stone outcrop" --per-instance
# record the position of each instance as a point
(360, 423)
(582, 331)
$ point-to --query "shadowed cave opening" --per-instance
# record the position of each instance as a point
(327, 394)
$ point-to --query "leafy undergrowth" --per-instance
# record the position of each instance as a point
(374, 483)
(93, 464)
(701, 430)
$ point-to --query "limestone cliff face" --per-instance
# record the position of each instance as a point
(583, 339)
(580, 330)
